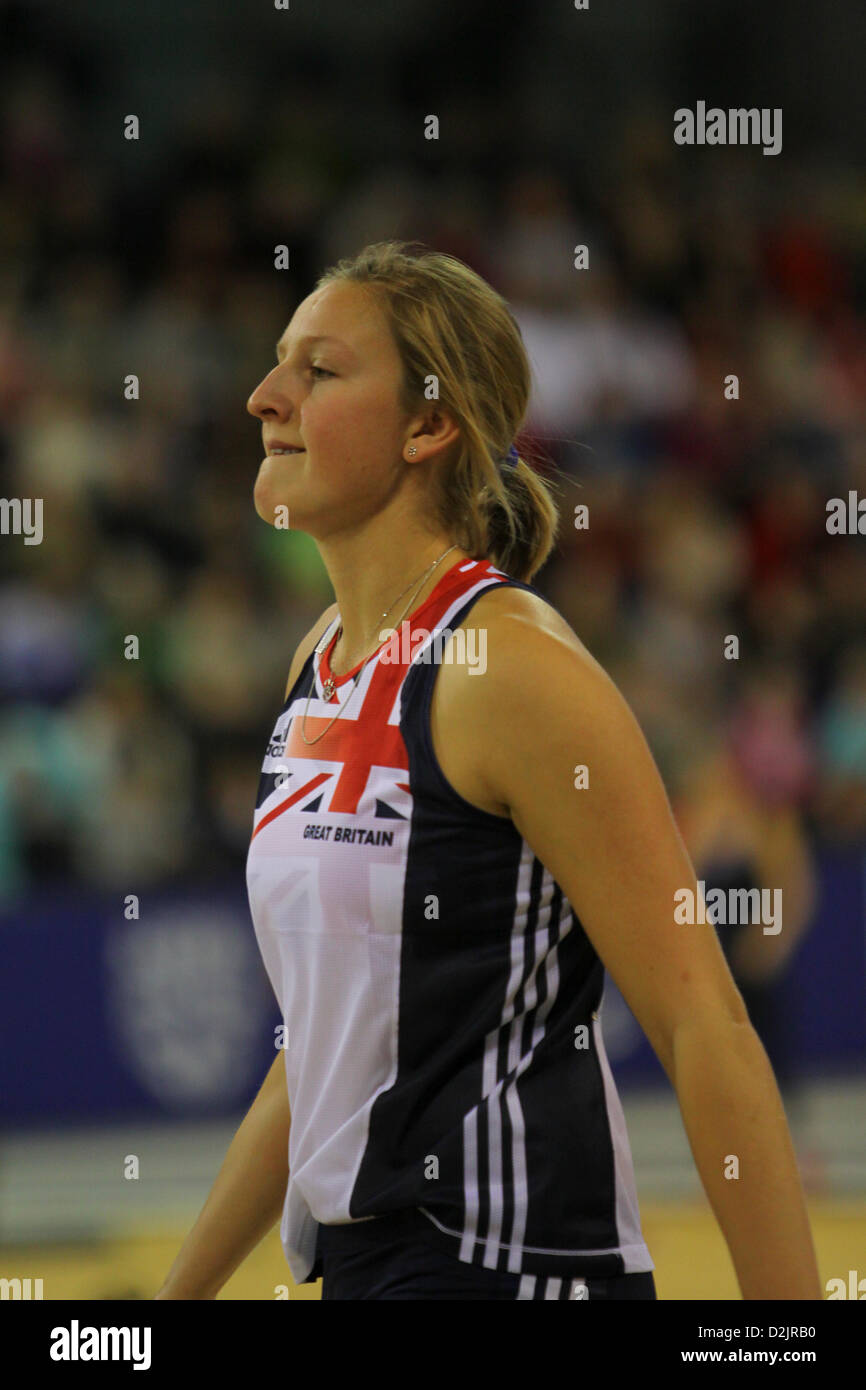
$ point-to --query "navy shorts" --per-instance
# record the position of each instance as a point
(386, 1258)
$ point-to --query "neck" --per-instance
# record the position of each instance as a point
(368, 569)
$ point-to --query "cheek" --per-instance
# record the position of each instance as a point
(332, 413)
(348, 434)
(331, 423)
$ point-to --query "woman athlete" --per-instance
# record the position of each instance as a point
(459, 825)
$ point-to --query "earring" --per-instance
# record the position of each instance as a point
(412, 451)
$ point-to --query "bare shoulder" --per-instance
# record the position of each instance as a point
(491, 690)
(520, 636)
(306, 645)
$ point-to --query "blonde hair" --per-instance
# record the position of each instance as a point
(449, 323)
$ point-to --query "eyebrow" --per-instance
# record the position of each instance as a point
(313, 338)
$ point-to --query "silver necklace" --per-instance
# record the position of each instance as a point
(329, 686)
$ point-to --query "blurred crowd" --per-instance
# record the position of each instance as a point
(706, 511)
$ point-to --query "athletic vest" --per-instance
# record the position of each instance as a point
(439, 996)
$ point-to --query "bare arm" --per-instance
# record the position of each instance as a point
(738, 1133)
(544, 708)
(247, 1197)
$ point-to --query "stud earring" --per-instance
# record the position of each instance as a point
(412, 451)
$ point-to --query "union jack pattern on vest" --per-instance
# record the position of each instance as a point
(432, 978)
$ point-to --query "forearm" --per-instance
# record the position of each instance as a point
(245, 1200)
(731, 1108)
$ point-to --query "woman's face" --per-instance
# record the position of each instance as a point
(335, 394)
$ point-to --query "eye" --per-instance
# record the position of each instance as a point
(324, 371)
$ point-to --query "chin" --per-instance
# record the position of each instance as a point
(266, 501)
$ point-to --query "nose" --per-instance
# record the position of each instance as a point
(269, 400)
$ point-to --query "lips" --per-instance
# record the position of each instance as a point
(277, 447)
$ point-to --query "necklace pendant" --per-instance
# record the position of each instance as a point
(328, 688)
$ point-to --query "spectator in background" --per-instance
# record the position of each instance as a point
(741, 815)
(842, 742)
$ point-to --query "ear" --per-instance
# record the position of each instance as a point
(432, 434)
